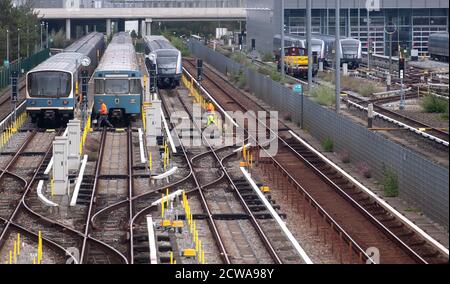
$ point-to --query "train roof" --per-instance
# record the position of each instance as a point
(85, 44)
(119, 57)
(156, 43)
(68, 62)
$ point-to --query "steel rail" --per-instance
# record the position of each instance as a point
(212, 224)
(375, 221)
(303, 191)
(253, 220)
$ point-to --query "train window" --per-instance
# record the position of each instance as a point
(135, 86)
(116, 86)
(99, 86)
(49, 84)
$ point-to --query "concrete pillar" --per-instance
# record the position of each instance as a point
(68, 31)
(74, 135)
(60, 165)
(108, 27)
(153, 122)
(143, 28)
(148, 27)
(86, 29)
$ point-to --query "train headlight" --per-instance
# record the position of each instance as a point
(49, 102)
(65, 102)
(132, 101)
(33, 102)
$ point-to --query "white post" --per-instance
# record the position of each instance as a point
(345, 69)
(60, 168)
(143, 28)
(74, 134)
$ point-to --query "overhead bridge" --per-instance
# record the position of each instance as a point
(156, 14)
(144, 15)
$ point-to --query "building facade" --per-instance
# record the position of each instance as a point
(415, 20)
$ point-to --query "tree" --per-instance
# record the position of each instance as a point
(18, 20)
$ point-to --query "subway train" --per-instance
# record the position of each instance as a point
(159, 51)
(350, 50)
(295, 55)
(323, 46)
(438, 47)
(118, 81)
(52, 87)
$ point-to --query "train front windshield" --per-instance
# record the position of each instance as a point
(167, 61)
(295, 51)
(49, 84)
(350, 49)
(118, 86)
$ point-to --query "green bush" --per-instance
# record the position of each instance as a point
(267, 57)
(328, 145)
(323, 95)
(239, 57)
(367, 89)
(390, 183)
(433, 104)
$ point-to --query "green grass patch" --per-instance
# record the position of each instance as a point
(433, 104)
(328, 145)
(390, 183)
(323, 95)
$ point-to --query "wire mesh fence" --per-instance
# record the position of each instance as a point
(422, 182)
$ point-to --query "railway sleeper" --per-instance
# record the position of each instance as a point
(142, 258)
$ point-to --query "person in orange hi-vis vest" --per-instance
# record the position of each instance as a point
(211, 115)
(103, 116)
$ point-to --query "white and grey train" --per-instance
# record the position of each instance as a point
(323, 47)
(438, 46)
(53, 88)
(167, 60)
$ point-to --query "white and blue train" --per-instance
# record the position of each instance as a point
(167, 59)
(52, 87)
(323, 47)
(118, 81)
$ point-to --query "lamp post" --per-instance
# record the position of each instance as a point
(308, 40)
(28, 41)
(390, 29)
(368, 39)
(7, 45)
(41, 34)
(338, 56)
(282, 40)
(46, 37)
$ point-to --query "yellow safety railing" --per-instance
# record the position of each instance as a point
(86, 130)
(13, 128)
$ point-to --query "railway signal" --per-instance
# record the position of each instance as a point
(84, 93)
(199, 70)
(14, 90)
(153, 77)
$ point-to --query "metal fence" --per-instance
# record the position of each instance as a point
(421, 181)
(24, 65)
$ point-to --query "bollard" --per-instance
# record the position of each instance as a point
(75, 139)
(370, 116)
(321, 66)
(60, 168)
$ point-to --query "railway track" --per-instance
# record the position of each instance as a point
(17, 179)
(232, 236)
(349, 208)
(5, 100)
(443, 136)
